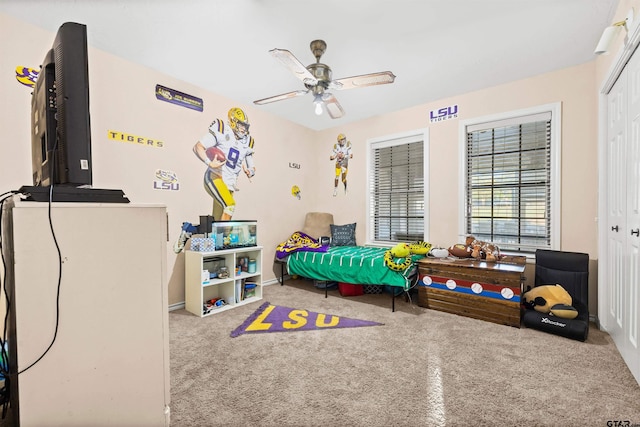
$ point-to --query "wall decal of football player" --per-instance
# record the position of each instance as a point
(341, 154)
(295, 192)
(226, 149)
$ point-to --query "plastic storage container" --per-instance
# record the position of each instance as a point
(234, 234)
(350, 290)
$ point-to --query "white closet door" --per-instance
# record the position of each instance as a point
(622, 318)
(632, 232)
(616, 206)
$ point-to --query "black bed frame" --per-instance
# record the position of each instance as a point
(283, 266)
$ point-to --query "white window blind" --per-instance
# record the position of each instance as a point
(508, 182)
(397, 191)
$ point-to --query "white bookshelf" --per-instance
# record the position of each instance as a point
(199, 289)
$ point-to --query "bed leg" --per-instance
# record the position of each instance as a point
(325, 290)
(282, 274)
(393, 301)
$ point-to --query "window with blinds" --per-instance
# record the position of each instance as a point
(397, 191)
(508, 182)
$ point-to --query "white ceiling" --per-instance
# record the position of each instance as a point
(436, 49)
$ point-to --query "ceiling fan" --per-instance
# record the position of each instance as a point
(317, 80)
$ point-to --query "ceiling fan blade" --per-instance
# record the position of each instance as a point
(281, 97)
(333, 106)
(292, 63)
(364, 80)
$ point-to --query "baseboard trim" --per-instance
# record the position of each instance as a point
(176, 306)
(273, 281)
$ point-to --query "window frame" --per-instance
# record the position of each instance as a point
(555, 168)
(388, 141)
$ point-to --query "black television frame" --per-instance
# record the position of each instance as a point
(60, 117)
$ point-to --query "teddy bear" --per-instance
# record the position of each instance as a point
(550, 299)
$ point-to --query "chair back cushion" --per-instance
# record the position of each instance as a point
(568, 269)
(318, 224)
(571, 270)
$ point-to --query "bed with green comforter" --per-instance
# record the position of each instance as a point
(348, 264)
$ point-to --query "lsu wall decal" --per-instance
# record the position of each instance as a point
(134, 139)
(27, 76)
(274, 318)
(295, 192)
(166, 180)
(178, 98)
(442, 114)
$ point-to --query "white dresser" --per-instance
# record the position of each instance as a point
(109, 364)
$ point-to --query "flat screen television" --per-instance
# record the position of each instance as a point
(60, 122)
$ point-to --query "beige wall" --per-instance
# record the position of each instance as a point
(123, 99)
(573, 87)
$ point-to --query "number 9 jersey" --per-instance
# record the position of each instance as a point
(236, 150)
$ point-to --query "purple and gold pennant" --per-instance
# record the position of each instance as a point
(274, 318)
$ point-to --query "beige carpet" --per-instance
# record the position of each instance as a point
(421, 368)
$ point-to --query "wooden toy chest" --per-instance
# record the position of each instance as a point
(483, 290)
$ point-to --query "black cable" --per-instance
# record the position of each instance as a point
(8, 301)
(5, 391)
(4, 369)
(55, 241)
(52, 179)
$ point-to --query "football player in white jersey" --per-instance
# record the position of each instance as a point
(341, 154)
(226, 150)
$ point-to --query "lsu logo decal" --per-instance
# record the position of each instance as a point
(166, 180)
(27, 76)
(162, 92)
(445, 113)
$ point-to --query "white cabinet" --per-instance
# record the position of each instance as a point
(235, 290)
(106, 290)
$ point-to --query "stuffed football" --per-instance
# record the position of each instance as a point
(459, 250)
(215, 153)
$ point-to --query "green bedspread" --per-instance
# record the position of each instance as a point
(349, 264)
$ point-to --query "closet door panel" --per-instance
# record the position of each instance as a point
(632, 231)
(616, 205)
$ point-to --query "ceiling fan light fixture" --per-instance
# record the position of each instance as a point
(317, 101)
(317, 78)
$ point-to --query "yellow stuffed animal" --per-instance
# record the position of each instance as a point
(420, 248)
(550, 299)
(404, 250)
(401, 250)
